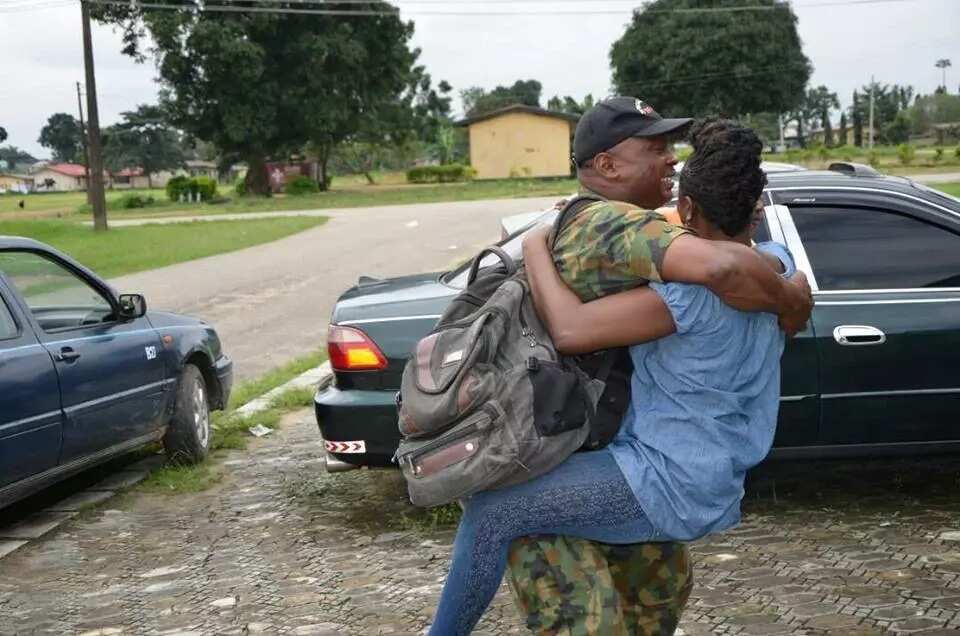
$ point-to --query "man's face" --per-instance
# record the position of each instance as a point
(645, 167)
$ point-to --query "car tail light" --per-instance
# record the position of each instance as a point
(352, 350)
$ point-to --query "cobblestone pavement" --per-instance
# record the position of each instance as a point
(280, 547)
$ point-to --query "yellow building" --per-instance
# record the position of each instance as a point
(520, 141)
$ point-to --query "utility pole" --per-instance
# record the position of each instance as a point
(872, 91)
(95, 164)
(83, 139)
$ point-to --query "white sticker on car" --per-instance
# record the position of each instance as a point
(151, 352)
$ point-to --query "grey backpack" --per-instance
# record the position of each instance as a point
(486, 401)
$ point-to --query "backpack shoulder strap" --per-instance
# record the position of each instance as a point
(571, 209)
(508, 262)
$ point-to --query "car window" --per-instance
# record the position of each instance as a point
(8, 327)
(864, 248)
(58, 298)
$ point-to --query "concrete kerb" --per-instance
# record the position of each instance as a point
(18, 534)
(314, 377)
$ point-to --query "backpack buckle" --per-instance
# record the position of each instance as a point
(533, 364)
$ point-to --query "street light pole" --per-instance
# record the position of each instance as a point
(95, 182)
(872, 91)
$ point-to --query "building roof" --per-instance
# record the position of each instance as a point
(129, 172)
(200, 163)
(518, 108)
(69, 169)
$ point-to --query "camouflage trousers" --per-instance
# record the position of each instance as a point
(572, 587)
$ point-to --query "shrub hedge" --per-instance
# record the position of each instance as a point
(449, 173)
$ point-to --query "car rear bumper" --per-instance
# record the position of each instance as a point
(362, 425)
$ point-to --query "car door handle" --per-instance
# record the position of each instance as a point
(67, 354)
(858, 335)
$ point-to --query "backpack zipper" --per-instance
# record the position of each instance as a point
(440, 442)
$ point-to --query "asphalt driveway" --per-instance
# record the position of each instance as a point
(271, 303)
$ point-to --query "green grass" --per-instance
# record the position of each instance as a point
(251, 389)
(949, 188)
(133, 249)
(351, 194)
(173, 478)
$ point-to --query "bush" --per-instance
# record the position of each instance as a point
(188, 188)
(956, 152)
(206, 186)
(177, 186)
(441, 174)
(134, 201)
(873, 159)
(301, 185)
(906, 153)
(241, 187)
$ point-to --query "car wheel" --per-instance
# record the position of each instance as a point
(187, 439)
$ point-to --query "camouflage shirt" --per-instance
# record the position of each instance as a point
(611, 246)
(573, 587)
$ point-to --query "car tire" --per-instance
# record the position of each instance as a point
(187, 440)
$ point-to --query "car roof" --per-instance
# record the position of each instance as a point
(21, 242)
(830, 178)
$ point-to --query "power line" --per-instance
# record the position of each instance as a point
(393, 10)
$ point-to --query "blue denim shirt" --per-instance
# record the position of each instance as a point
(703, 410)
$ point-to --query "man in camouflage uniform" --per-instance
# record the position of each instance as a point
(573, 587)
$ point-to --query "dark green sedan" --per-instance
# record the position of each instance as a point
(876, 372)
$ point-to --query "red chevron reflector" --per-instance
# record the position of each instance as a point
(346, 447)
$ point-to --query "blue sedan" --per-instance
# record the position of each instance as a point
(87, 374)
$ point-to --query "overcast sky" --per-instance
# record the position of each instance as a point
(847, 41)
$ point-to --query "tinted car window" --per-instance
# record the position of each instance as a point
(863, 248)
(8, 328)
(56, 296)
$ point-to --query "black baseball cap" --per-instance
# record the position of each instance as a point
(618, 118)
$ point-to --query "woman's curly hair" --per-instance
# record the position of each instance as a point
(723, 174)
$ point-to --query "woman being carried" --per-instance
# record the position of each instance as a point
(705, 394)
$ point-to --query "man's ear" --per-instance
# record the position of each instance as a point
(605, 165)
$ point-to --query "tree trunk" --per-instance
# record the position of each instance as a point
(323, 159)
(827, 130)
(257, 181)
(801, 139)
(149, 181)
(842, 136)
(370, 179)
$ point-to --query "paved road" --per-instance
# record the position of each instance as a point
(271, 303)
(853, 548)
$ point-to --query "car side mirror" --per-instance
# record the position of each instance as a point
(132, 306)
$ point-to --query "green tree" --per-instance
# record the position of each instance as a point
(888, 100)
(570, 105)
(3, 134)
(13, 156)
(259, 85)
(143, 139)
(842, 131)
(928, 110)
(477, 101)
(819, 102)
(728, 62)
(62, 135)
